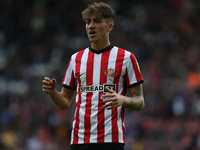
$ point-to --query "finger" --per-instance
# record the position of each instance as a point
(109, 90)
(109, 102)
(47, 86)
(46, 83)
(47, 78)
(109, 99)
(113, 105)
(110, 106)
(108, 95)
(107, 105)
(46, 90)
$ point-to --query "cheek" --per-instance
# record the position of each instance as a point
(103, 29)
(86, 27)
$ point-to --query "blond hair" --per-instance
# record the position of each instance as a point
(99, 9)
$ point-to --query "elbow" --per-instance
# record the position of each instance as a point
(141, 107)
(63, 107)
(135, 104)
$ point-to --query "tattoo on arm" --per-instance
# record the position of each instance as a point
(136, 102)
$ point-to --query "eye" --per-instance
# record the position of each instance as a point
(97, 20)
(87, 21)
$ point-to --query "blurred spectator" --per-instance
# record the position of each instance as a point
(37, 39)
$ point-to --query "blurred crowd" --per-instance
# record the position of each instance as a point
(37, 38)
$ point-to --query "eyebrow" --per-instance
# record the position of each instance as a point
(97, 18)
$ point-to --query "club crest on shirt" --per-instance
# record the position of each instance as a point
(111, 72)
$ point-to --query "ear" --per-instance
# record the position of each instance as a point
(110, 26)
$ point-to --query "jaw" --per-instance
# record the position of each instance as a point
(92, 37)
(99, 43)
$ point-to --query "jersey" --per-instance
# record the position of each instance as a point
(89, 72)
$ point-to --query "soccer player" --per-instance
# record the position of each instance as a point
(99, 76)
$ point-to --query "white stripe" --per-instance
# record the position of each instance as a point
(69, 70)
(120, 89)
(108, 113)
(119, 124)
(95, 98)
(83, 97)
(131, 72)
(73, 124)
(72, 66)
(84, 67)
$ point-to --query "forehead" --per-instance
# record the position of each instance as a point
(94, 17)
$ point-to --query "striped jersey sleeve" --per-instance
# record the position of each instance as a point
(133, 75)
(69, 80)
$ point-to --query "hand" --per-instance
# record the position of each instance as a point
(114, 99)
(49, 85)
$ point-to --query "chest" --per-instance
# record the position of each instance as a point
(99, 69)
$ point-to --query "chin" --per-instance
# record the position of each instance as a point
(92, 40)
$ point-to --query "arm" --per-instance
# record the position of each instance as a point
(134, 103)
(61, 99)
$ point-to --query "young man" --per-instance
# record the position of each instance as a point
(99, 75)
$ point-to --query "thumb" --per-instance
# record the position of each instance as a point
(54, 82)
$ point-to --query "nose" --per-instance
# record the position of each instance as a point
(91, 25)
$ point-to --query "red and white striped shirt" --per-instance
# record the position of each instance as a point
(89, 72)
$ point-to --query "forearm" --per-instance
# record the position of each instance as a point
(135, 103)
(59, 100)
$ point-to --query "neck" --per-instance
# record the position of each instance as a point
(99, 45)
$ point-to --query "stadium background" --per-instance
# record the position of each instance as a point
(37, 38)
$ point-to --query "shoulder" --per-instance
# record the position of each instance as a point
(79, 53)
(127, 54)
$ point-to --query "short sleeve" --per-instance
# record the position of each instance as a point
(69, 80)
(133, 75)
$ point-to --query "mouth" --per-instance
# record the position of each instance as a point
(92, 33)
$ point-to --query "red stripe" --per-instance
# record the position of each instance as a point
(73, 80)
(137, 72)
(122, 113)
(118, 68)
(66, 71)
(76, 128)
(122, 118)
(103, 79)
(126, 78)
(89, 81)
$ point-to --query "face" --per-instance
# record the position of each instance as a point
(98, 29)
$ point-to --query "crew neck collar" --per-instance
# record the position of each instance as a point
(102, 50)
